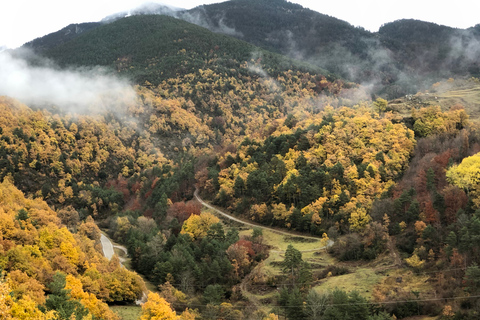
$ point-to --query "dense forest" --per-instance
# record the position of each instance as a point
(372, 206)
(403, 57)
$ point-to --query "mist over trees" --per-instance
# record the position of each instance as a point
(366, 187)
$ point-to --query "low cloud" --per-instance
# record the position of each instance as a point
(200, 17)
(36, 81)
(256, 68)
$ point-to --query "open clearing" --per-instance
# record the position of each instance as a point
(127, 312)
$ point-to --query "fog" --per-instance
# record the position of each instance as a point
(200, 18)
(37, 81)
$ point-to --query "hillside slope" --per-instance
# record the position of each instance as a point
(404, 56)
(61, 36)
(401, 52)
(155, 47)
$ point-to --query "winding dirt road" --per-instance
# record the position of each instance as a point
(251, 224)
(244, 284)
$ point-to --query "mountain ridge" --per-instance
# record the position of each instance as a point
(404, 56)
(155, 47)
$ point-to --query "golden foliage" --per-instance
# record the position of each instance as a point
(23, 308)
(466, 175)
(156, 308)
(431, 120)
(95, 306)
(415, 262)
(197, 226)
(32, 254)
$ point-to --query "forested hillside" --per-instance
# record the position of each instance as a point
(378, 200)
(64, 35)
(154, 48)
(403, 57)
(50, 272)
(132, 168)
(310, 175)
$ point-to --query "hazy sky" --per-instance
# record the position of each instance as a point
(25, 20)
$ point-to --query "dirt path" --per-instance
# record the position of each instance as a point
(251, 224)
(243, 285)
(243, 288)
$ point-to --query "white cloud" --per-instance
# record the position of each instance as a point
(78, 91)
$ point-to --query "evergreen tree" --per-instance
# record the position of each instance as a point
(60, 300)
(292, 261)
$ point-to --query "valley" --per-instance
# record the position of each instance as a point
(240, 178)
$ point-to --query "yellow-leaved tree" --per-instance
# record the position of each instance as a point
(197, 225)
(415, 262)
(96, 307)
(157, 308)
(466, 175)
(324, 241)
(22, 309)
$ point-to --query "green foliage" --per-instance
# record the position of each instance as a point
(292, 261)
(294, 305)
(59, 300)
(213, 294)
(61, 36)
(22, 215)
(472, 277)
(336, 305)
(155, 47)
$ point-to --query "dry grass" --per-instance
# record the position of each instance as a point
(364, 277)
(466, 93)
(467, 97)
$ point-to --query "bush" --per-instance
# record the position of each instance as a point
(333, 271)
(348, 248)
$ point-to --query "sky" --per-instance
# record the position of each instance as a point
(25, 20)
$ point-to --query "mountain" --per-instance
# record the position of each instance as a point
(401, 53)
(156, 47)
(389, 186)
(59, 37)
(431, 48)
(282, 27)
(405, 56)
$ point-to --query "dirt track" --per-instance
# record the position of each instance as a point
(251, 224)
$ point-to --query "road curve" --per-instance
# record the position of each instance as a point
(107, 247)
(251, 224)
(108, 252)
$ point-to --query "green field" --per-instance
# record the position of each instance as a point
(363, 277)
(127, 312)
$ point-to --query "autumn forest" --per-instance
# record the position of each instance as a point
(345, 201)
